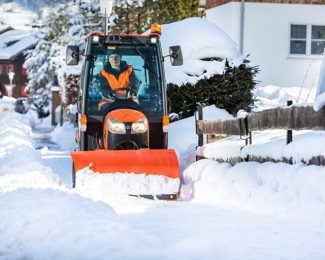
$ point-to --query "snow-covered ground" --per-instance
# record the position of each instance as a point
(251, 210)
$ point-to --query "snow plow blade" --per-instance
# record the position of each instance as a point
(148, 162)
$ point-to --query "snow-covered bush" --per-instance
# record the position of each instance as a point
(213, 72)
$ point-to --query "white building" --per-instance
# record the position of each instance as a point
(284, 37)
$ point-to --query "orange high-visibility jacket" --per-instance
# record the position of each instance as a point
(123, 80)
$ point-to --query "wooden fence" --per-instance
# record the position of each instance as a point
(291, 118)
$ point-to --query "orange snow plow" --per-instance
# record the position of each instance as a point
(144, 161)
(122, 111)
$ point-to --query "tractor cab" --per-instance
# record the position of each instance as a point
(104, 89)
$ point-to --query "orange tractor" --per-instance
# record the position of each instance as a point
(123, 123)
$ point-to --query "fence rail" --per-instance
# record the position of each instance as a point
(292, 118)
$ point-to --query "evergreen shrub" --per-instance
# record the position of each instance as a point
(231, 91)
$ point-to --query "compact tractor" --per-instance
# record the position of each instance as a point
(124, 129)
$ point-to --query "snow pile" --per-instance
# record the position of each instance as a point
(271, 143)
(125, 183)
(277, 189)
(6, 105)
(199, 39)
(20, 166)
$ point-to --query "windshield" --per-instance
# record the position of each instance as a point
(135, 67)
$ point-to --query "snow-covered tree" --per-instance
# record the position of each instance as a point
(66, 23)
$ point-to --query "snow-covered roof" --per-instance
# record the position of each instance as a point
(14, 42)
(215, 3)
(4, 28)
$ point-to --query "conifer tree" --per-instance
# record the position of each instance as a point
(134, 16)
(126, 16)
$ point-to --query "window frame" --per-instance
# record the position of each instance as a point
(309, 41)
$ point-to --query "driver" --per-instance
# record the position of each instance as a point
(116, 74)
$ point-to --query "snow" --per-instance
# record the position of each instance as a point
(276, 189)
(199, 39)
(22, 40)
(250, 210)
(125, 183)
(6, 105)
(319, 102)
(183, 138)
(254, 210)
(14, 15)
(320, 95)
(64, 136)
(271, 143)
(275, 96)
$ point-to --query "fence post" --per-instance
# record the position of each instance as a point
(249, 139)
(200, 117)
(289, 132)
(55, 103)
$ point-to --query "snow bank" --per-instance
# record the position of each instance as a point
(52, 224)
(6, 105)
(199, 39)
(20, 162)
(276, 189)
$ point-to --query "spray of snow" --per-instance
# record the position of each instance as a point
(125, 183)
(64, 136)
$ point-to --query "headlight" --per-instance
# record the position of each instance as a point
(140, 126)
(116, 127)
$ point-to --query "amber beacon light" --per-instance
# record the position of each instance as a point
(156, 28)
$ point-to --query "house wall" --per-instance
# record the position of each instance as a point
(267, 39)
(19, 80)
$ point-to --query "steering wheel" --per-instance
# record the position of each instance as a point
(129, 93)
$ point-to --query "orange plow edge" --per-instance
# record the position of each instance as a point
(144, 161)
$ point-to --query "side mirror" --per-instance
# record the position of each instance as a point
(176, 57)
(72, 55)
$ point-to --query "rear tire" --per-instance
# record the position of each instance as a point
(73, 176)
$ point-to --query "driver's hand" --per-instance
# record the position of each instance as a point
(135, 99)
